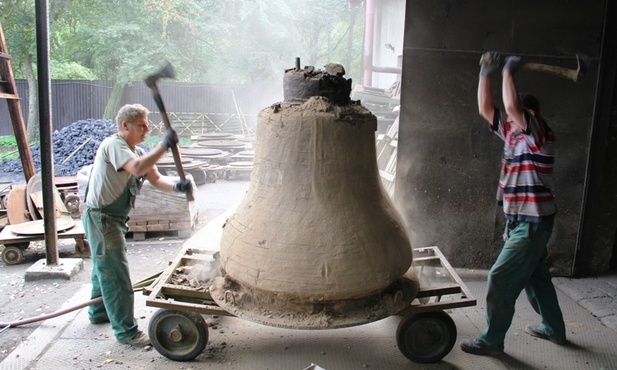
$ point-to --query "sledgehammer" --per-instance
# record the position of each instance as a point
(575, 75)
(167, 72)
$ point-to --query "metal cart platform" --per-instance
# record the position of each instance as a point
(425, 334)
(15, 244)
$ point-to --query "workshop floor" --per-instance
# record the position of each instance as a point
(71, 342)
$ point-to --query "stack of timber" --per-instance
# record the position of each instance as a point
(157, 211)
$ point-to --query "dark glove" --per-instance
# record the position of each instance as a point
(170, 139)
(489, 62)
(513, 63)
(184, 186)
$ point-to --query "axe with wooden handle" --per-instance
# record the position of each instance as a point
(167, 72)
(575, 75)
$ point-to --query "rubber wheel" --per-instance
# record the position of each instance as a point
(71, 202)
(426, 337)
(178, 335)
(14, 254)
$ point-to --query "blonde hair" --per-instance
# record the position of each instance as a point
(130, 112)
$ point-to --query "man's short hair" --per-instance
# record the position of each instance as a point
(130, 112)
(530, 102)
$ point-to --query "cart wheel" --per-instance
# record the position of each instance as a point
(426, 337)
(71, 202)
(14, 253)
(178, 335)
(82, 247)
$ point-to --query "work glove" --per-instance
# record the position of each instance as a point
(489, 62)
(513, 63)
(170, 139)
(184, 186)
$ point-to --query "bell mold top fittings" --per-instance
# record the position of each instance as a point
(300, 84)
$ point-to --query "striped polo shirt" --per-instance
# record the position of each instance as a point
(526, 169)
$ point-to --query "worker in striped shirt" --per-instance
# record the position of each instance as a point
(529, 207)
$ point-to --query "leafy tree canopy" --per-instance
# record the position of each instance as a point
(236, 41)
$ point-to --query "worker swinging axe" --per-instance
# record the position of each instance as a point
(167, 72)
(575, 75)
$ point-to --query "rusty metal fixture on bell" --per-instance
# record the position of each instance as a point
(315, 243)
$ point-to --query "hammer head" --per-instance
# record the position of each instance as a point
(166, 72)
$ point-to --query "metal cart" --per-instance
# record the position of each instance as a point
(16, 243)
(425, 334)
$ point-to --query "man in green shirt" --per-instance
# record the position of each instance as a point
(119, 169)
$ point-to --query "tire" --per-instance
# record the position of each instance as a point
(14, 253)
(426, 337)
(71, 202)
(178, 335)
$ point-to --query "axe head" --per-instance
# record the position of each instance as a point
(582, 61)
(166, 72)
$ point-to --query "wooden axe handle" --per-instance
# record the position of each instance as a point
(575, 75)
(570, 74)
(174, 148)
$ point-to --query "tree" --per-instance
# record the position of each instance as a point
(18, 20)
(232, 41)
(125, 41)
(258, 40)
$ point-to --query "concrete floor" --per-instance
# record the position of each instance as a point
(71, 342)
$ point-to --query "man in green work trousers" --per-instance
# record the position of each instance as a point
(118, 172)
(529, 207)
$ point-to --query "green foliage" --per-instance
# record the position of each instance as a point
(258, 40)
(8, 148)
(232, 41)
(70, 71)
(8, 141)
(152, 141)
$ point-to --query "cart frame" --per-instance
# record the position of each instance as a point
(180, 304)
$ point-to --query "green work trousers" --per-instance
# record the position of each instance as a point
(110, 271)
(522, 265)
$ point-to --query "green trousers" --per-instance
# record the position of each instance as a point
(520, 265)
(110, 272)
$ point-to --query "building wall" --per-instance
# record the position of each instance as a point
(448, 160)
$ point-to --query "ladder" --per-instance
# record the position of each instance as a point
(8, 91)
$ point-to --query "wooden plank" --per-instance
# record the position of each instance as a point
(438, 291)
(17, 208)
(161, 217)
(181, 225)
(183, 306)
